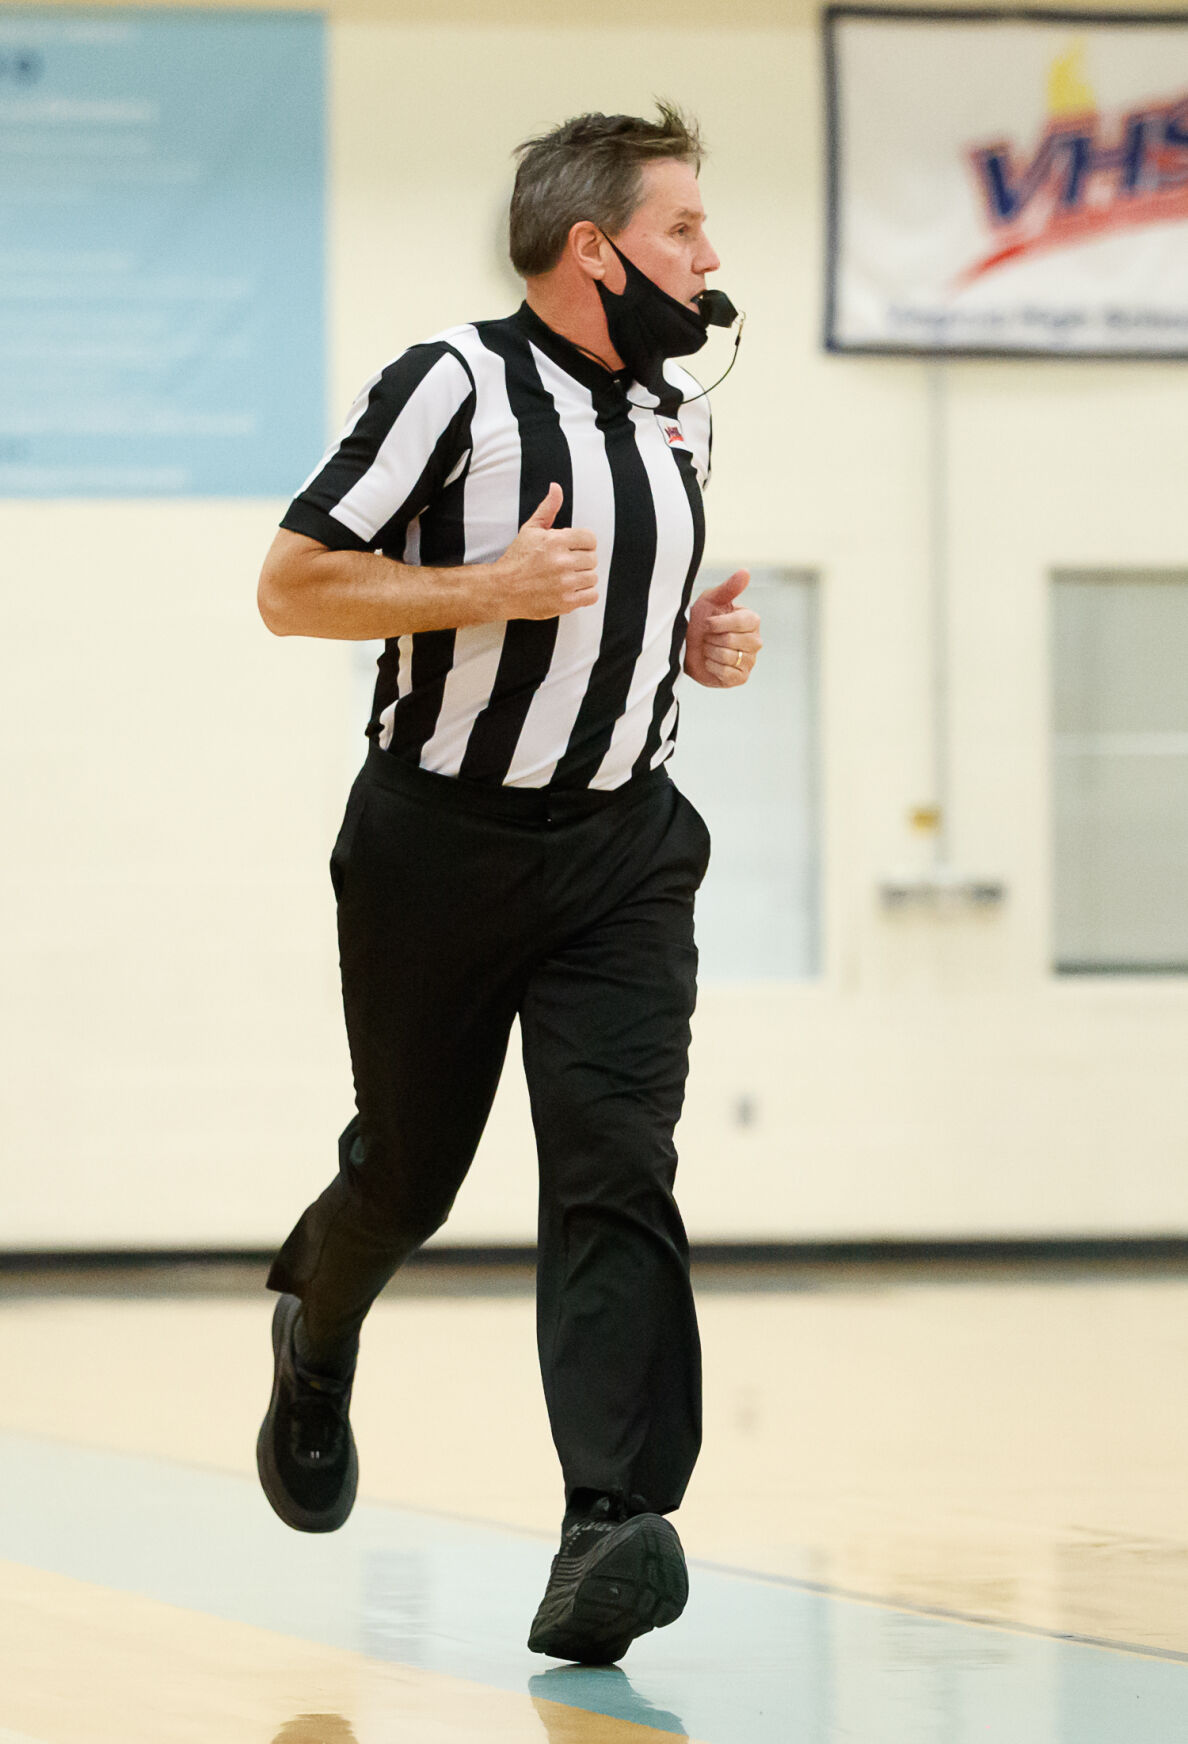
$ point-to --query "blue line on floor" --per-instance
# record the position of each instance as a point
(753, 1661)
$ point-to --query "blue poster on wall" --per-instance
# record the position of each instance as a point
(162, 183)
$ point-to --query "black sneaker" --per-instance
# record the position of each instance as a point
(611, 1580)
(305, 1452)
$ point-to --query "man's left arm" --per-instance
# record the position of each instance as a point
(722, 642)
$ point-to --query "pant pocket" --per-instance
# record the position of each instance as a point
(699, 831)
(341, 852)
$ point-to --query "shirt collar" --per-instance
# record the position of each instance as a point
(573, 361)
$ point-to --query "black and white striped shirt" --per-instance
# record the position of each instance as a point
(445, 455)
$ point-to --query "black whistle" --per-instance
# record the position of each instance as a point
(716, 309)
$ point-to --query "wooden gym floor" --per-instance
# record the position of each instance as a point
(936, 1505)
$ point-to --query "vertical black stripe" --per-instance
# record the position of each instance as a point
(392, 540)
(387, 681)
(451, 446)
(628, 584)
(387, 686)
(355, 454)
(443, 545)
(528, 644)
(664, 692)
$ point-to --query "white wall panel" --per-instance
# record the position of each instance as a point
(175, 1070)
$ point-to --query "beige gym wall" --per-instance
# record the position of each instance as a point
(176, 1072)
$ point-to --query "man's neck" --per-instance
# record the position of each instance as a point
(580, 320)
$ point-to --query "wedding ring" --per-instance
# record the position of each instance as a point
(738, 657)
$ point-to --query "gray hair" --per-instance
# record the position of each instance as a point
(589, 168)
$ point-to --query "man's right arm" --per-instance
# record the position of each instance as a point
(308, 589)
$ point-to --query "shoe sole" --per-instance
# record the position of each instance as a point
(291, 1512)
(639, 1584)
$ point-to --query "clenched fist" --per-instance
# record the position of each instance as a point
(547, 571)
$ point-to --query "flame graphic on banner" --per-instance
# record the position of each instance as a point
(1069, 92)
(1088, 175)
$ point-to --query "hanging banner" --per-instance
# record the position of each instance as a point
(161, 252)
(1007, 183)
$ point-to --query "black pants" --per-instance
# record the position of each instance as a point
(460, 908)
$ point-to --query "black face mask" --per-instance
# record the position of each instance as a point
(646, 325)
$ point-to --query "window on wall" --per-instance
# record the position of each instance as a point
(747, 758)
(1120, 771)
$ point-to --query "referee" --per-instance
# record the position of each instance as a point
(515, 507)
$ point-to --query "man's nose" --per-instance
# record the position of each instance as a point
(707, 261)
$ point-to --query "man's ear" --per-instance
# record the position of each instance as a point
(589, 249)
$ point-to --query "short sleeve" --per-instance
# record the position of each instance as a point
(408, 433)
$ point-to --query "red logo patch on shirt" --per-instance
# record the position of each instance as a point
(672, 433)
